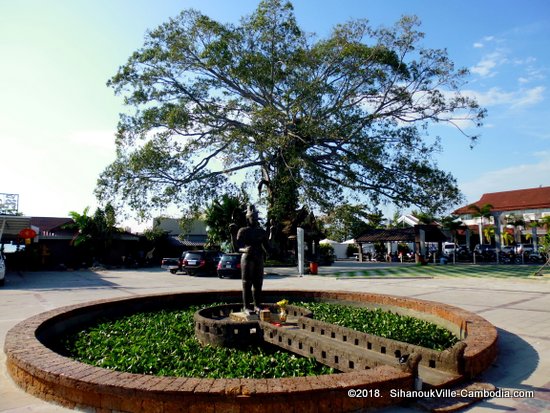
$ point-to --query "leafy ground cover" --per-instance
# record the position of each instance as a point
(384, 324)
(163, 343)
(460, 270)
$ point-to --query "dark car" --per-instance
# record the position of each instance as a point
(230, 266)
(462, 253)
(484, 248)
(485, 252)
(524, 249)
(201, 262)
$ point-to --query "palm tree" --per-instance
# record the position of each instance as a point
(508, 238)
(545, 222)
(545, 243)
(482, 212)
(489, 232)
(453, 224)
(83, 239)
(516, 222)
(84, 224)
(94, 233)
(534, 224)
(103, 230)
(423, 217)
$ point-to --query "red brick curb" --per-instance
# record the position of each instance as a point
(36, 367)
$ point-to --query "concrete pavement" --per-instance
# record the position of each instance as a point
(519, 308)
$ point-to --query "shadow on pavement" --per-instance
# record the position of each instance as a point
(54, 280)
(516, 362)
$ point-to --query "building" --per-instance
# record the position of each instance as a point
(53, 246)
(194, 232)
(417, 236)
(177, 239)
(517, 212)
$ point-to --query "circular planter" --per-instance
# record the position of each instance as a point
(35, 364)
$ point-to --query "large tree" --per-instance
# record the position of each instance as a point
(313, 121)
(348, 221)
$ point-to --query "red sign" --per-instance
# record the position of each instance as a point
(27, 233)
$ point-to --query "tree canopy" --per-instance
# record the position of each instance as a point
(220, 214)
(348, 221)
(95, 232)
(310, 120)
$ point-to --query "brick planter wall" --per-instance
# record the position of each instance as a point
(447, 360)
(34, 364)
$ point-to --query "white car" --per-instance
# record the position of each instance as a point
(2, 270)
(449, 248)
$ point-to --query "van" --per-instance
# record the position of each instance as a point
(449, 248)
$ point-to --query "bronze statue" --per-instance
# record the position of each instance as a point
(253, 242)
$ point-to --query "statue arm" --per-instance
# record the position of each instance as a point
(240, 242)
(266, 244)
(233, 231)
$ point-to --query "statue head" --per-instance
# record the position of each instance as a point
(251, 216)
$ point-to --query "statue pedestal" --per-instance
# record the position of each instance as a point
(243, 317)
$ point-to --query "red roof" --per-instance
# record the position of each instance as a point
(518, 200)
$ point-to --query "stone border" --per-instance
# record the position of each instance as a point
(478, 334)
(214, 327)
(34, 364)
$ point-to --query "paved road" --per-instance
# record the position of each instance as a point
(519, 308)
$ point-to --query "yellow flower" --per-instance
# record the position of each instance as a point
(282, 303)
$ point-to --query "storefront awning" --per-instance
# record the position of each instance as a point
(10, 225)
(432, 233)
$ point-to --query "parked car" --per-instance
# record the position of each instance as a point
(449, 248)
(230, 266)
(2, 270)
(483, 248)
(463, 253)
(172, 264)
(537, 258)
(201, 262)
(485, 252)
(524, 249)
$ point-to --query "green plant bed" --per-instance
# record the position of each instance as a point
(384, 324)
(163, 343)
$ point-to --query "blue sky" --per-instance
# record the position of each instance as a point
(57, 117)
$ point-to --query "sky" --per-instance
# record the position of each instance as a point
(58, 117)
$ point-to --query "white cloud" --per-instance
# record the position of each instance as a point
(527, 61)
(520, 176)
(532, 74)
(529, 97)
(481, 44)
(515, 99)
(485, 68)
